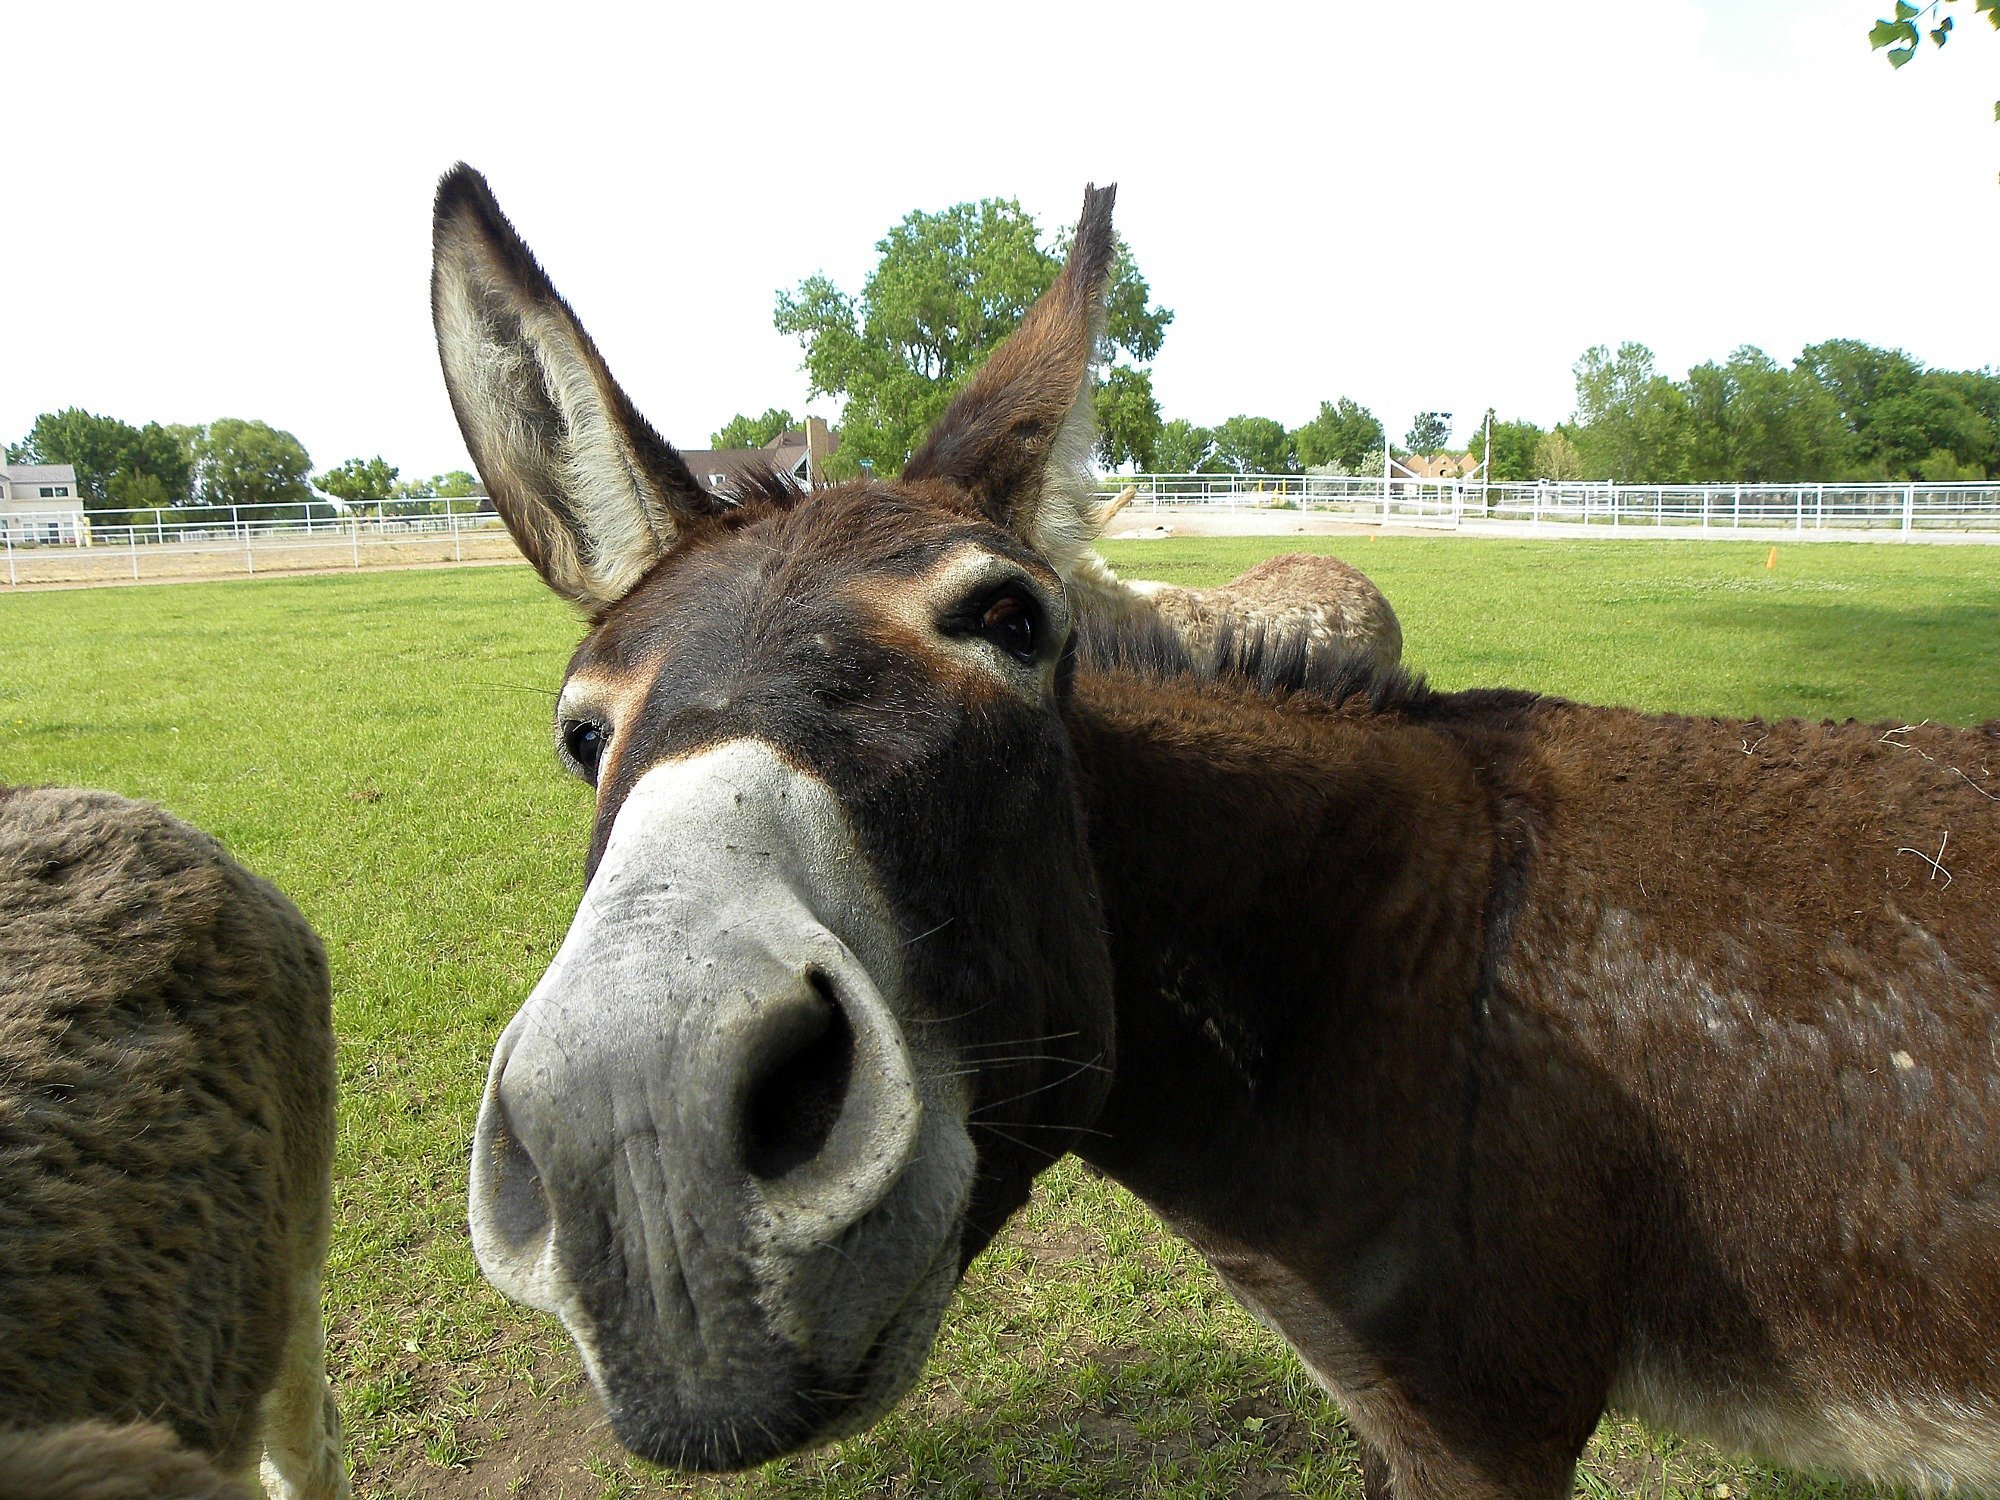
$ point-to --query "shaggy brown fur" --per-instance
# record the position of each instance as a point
(166, 1137)
(1645, 1061)
(97, 1461)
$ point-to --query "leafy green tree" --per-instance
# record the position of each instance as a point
(1858, 375)
(1932, 423)
(1977, 391)
(133, 489)
(752, 432)
(117, 464)
(1133, 324)
(1514, 445)
(456, 484)
(361, 481)
(1945, 467)
(1184, 448)
(1630, 419)
(1843, 410)
(1429, 433)
(1128, 419)
(1980, 389)
(1755, 421)
(1344, 436)
(1900, 415)
(93, 445)
(240, 462)
(1557, 458)
(946, 288)
(1256, 445)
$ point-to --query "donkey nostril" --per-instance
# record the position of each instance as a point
(513, 1201)
(800, 1085)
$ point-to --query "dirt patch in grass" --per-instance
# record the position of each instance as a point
(536, 1431)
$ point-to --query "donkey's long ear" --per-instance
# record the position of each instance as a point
(591, 492)
(1020, 435)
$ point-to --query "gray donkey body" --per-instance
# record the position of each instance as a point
(166, 1141)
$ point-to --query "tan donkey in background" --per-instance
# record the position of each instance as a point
(1330, 604)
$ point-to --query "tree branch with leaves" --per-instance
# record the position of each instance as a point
(1903, 34)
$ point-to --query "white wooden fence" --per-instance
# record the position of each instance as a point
(1914, 512)
(189, 543)
(159, 543)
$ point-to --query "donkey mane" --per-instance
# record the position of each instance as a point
(1278, 662)
(760, 486)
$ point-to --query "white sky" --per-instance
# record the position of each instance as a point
(223, 211)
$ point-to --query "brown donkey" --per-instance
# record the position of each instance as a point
(1511, 1058)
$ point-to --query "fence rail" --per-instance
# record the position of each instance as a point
(192, 543)
(52, 546)
(1913, 511)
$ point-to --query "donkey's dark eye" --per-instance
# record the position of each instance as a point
(1009, 622)
(583, 742)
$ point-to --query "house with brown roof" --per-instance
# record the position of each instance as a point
(1435, 465)
(800, 454)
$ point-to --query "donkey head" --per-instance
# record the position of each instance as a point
(838, 986)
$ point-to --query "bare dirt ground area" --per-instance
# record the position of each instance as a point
(543, 1433)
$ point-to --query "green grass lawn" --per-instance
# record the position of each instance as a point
(379, 745)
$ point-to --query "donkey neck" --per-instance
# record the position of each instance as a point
(1298, 902)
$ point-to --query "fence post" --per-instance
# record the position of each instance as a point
(1736, 509)
(354, 530)
(132, 537)
(1387, 467)
(235, 521)
(452, 510)
(1909, 509)
(1800, 497)
(1819, 508)
(249, 562)
(7, 535)
(159, 528)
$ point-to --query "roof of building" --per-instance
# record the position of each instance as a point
(731, 463)
(39, 473)
(1437, 465)
(786, 453)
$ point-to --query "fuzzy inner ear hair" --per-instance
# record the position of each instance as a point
(591, 492)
